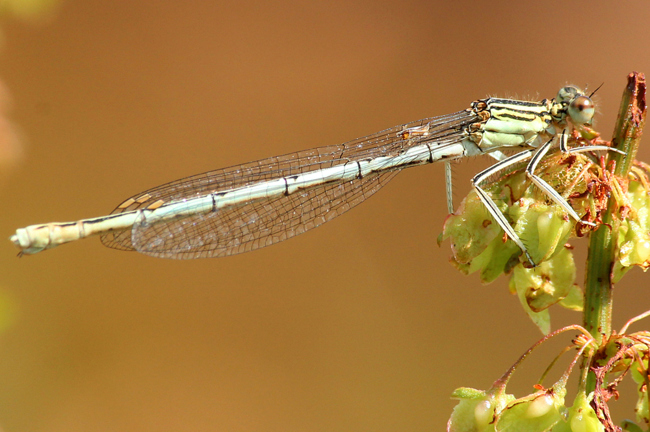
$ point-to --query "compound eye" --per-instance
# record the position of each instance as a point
(581, 110)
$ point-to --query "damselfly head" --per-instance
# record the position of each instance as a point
(573, 102)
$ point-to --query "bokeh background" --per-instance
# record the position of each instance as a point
(360, 325)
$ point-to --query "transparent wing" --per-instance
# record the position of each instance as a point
(253, 225)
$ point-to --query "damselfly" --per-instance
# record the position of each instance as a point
(246, 207)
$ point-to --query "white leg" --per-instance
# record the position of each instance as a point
(492, 207)
(496, 155)
(547, 188)
(565, 149)
(539, 155)
(536, 157)
(450, 190)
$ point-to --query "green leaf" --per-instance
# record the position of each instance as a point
(634, 233)
(476, 410)
(630, 426)
(640, 376)
(535, 413)
(542, 227)
(581, 417)
(542, 286)
(575, 300)
(470, 229)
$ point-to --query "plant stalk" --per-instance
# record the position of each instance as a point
(599, 288)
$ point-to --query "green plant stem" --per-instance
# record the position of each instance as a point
(602, 245)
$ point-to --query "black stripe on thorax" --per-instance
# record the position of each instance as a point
(497, 108)
(514, 102)
(528, 116)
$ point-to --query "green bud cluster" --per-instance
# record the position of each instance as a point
(479, 245)
(480, 411)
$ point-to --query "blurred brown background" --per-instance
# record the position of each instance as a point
(360, 325)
